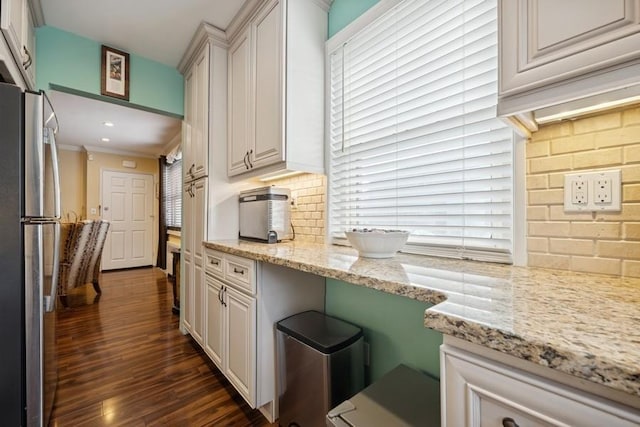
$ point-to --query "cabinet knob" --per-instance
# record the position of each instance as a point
(509, 422)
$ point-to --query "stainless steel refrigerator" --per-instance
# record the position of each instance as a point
(29, 245)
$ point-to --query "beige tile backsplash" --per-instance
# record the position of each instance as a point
(607, 243)
(308, 215)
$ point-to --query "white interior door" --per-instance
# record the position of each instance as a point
(127, 202)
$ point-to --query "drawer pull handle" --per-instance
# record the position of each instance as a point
(215, 262)
(239, 271)
(509, 422)
(221, 292)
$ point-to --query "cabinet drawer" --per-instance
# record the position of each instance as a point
(240, 272)
(480, 392)
(214, 263)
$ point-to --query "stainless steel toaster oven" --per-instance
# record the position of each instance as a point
(265, 214)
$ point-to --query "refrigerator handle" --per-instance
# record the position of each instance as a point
(56, 175)
(50, 300)
(52, 115)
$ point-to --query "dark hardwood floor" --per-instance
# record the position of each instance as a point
(123, 362)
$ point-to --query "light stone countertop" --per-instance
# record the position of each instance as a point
(585, 325)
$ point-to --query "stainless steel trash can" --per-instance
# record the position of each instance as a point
(403, 397)
(320, 364)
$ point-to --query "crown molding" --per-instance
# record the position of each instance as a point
(242, 18)
(36, 12)
(205, 33)
(324, 4)
(173, 144)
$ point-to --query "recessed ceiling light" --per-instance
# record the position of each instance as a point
(108, 124)
(105, 139)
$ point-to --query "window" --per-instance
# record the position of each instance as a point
(173, 194)
(414, 140)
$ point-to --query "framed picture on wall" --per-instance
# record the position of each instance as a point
(115, 73)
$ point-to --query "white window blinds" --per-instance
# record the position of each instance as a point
(173, 194)
(414, 139)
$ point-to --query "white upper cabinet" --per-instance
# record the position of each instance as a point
(29, 48)
(239, 85)
(196, 117)
(268, 79)
(204, 66)
(276, 88)
(553, 51)
(12, 25)
(187, 124)
(16, 23)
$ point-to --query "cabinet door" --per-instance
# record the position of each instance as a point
(197, 230)
(239, 105)
(12, 21)
(214, 328)
(198, 328)
(29, 48)
(547, 41)
(186, 301)
(268, 79)
(187, 255)
(187, 126)
(187, 224)
(241, 343)
(200, 130)
(199, 223)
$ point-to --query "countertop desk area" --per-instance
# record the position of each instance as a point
(584, 325)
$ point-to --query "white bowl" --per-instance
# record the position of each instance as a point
(377, 243)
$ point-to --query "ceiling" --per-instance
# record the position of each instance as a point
(156, 29)
(134, 131)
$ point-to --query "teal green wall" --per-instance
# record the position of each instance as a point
(71, 61)
(393, 327)
(342, 12)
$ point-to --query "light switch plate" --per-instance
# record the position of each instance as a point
(592, 191)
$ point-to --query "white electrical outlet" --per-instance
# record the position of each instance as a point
(579, 190)
(592, 191)
(576, 193)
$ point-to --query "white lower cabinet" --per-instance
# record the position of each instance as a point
(187, 286)
(244, 300)
(240, 319)
(197, 330)
(214, 339)
(194, 227)
(231, 335)
(479, 392)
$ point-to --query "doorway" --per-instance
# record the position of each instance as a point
(127, 203)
